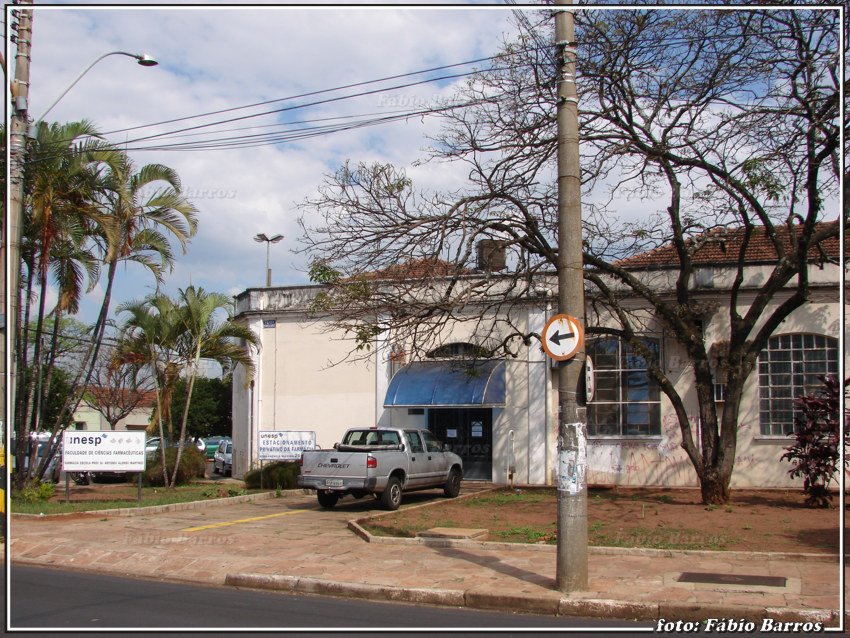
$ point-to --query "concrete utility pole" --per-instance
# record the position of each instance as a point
(18, 130)
(571, 568)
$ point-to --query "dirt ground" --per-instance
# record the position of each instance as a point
(754, 520)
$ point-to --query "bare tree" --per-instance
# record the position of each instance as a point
(117, 389)
(721, 124)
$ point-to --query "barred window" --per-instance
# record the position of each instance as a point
(627, 401)
(791, 367)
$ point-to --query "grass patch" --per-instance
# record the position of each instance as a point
(503, 498)
(150, 496)
(526, 534)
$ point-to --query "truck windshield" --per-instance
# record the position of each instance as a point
(370, 437)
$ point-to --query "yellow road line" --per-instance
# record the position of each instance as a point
(241, 520)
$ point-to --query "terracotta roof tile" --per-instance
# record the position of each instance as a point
(722, 247)
(147, 400)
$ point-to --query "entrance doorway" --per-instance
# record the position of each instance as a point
(470, 433)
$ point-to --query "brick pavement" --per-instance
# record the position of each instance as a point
(289, 544)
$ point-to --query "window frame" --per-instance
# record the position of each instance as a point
(777, 397)
(624, 371)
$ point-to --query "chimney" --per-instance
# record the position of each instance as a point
(491, 255)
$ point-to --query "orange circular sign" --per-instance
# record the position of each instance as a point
(563, 337)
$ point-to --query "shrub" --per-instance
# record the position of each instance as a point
(192, 465)
(278, 475)
(36, 492)
(815, 454)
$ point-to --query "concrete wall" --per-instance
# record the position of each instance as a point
(301, 384)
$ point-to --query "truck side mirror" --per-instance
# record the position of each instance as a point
(447, 447)
(336, 446)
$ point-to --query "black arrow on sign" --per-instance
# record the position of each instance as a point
(556, 338)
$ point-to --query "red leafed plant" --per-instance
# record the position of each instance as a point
(815, 454)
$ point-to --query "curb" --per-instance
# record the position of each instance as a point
(549, 605)
(355, 526)
(157, 509)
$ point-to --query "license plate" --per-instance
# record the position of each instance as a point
(333, 482)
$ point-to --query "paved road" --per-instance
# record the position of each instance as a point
(50, 598)
(288, 543)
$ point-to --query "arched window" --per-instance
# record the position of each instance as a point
(627, 401)
(459, 351)
(791, 367)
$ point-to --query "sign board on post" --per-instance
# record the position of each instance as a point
(98, 451)
(284, 445)
(589, 379)
(562, 337)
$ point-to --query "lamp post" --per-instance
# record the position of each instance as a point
(269, 241)
(19, 130)
(142, 59)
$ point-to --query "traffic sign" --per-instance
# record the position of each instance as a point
(562, 337)
(589, 379)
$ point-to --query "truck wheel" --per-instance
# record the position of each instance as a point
(327, 499)
(391, 496)
(452, 486)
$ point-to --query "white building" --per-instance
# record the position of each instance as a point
(502, 418)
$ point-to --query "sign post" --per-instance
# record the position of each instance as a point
(283, 445)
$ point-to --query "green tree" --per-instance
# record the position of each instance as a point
(149, 337)
(142, 206)
(59, 218)
(210, 408)
(207, 336)
(172, 336)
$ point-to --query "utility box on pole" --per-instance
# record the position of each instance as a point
(571, 566)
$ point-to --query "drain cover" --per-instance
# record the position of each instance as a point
(731, 579)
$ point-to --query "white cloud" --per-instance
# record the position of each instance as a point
(218, 58)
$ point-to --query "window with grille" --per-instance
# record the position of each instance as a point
(627, 401)
(790, 367)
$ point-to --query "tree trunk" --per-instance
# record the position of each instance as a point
(714, 488)
(193, 374)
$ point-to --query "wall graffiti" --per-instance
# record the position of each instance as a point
(643, 462)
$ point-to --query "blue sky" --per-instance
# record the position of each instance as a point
(220, 57)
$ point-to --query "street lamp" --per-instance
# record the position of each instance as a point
(19, 130)
(269, 241)
(143, 59)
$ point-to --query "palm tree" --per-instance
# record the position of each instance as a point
(172, 337)
(137, 213)
(60, 188)
(208, 337)
(148, 337)
(140, 212)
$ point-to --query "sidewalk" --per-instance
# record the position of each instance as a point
(289, 544)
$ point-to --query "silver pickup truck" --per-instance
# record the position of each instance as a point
(380, 461)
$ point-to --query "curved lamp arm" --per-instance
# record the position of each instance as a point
(142, 59)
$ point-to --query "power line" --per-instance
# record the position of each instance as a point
(301, 106)
(313, 93)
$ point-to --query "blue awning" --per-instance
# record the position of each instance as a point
(447, 383)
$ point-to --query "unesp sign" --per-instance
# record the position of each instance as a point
(284, 445)
(95, 451)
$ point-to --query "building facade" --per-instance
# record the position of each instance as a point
(501, 415)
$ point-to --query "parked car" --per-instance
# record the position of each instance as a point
(153, 444)
(40, 440)
(211, 445)
(380, 461)
(223, 459)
